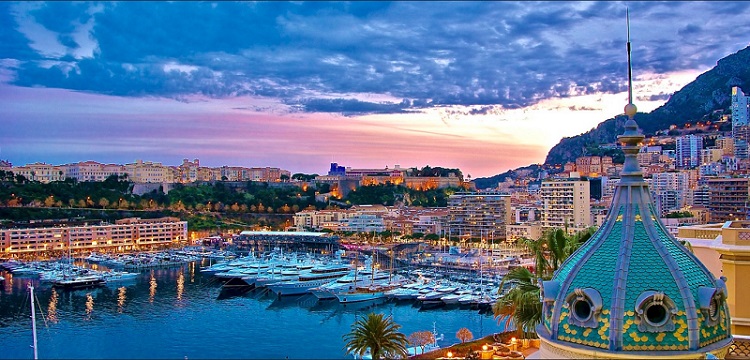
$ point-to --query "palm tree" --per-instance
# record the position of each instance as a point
(378, 334)
(520, 303)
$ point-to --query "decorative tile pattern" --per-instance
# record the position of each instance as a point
(653, 261)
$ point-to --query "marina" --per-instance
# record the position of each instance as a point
(182, 312)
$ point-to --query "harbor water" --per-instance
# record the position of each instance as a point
(181, 313)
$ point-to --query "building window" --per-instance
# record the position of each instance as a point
(585, 306)
(711, 300)
(655, 312)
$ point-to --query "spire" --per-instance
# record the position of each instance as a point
(631, 139)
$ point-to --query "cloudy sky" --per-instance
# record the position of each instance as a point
(482, 86)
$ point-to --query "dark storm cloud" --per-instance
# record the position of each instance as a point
(689, 29)
(13, 45)
(510, 54)
(352, 106)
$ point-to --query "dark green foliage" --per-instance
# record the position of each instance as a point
(679, 215)
(428, 171)
(389, 194)
(244, 205)
(304, 177)
(377, 333)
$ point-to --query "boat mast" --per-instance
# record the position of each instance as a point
(33, 320)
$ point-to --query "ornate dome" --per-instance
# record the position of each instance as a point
(633, 290)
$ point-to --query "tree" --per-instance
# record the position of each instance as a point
(432, 237)
(377, 333)
(421, 339)
(103, 202)
(464, 335)
(519, 303)
(49, 201)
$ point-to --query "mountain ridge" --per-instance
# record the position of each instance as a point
(709, 92)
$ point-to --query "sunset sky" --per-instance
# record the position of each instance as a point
(481, 86)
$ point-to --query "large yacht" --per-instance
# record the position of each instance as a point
(351, 281)
(315, 277)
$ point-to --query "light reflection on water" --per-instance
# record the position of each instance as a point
(121, 298)
(89, 306)
(152, 287)
(135, 321)
(52, 307)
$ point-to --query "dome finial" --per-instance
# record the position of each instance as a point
(631, 139)
(630, 109)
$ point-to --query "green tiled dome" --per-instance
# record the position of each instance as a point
(633, 289)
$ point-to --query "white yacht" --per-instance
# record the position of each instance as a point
(350, 282)
(309, 279)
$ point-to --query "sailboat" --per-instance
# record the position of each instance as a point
(33, 321)
(373, 290)
(76, 281)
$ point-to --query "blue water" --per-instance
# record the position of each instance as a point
(177, 313)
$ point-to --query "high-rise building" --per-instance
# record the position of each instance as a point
(740, 128)
(567, 203)
(675, 182)
(688, 151)
(728, 198)
(479, 215)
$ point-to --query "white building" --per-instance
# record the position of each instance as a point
(41, 172)
(673, 187)
(150, 172)
(567, 203)
(363, 223)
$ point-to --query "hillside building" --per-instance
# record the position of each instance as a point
(479, 215)
(566, 204)
(740, 125)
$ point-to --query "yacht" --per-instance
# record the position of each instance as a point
(79, 282)
(364, 293)
(350, 282)
(309, 279)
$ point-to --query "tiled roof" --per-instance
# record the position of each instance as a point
(633, 254)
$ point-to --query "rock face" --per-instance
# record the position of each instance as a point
(708, 92)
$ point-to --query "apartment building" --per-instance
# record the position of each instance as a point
(670, 190)
(566, 203)
(479, 215)
(593, 165)
(728, 198)
(360, 222)
(726, 144)
(740, 124)
(92, 171)
(150, 172)
(319, 219)
(41, 172)
(688, 151)
(124, 235)
(528, 231)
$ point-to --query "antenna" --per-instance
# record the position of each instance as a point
(630, 68)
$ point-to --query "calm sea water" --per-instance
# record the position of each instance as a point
(179, 312)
